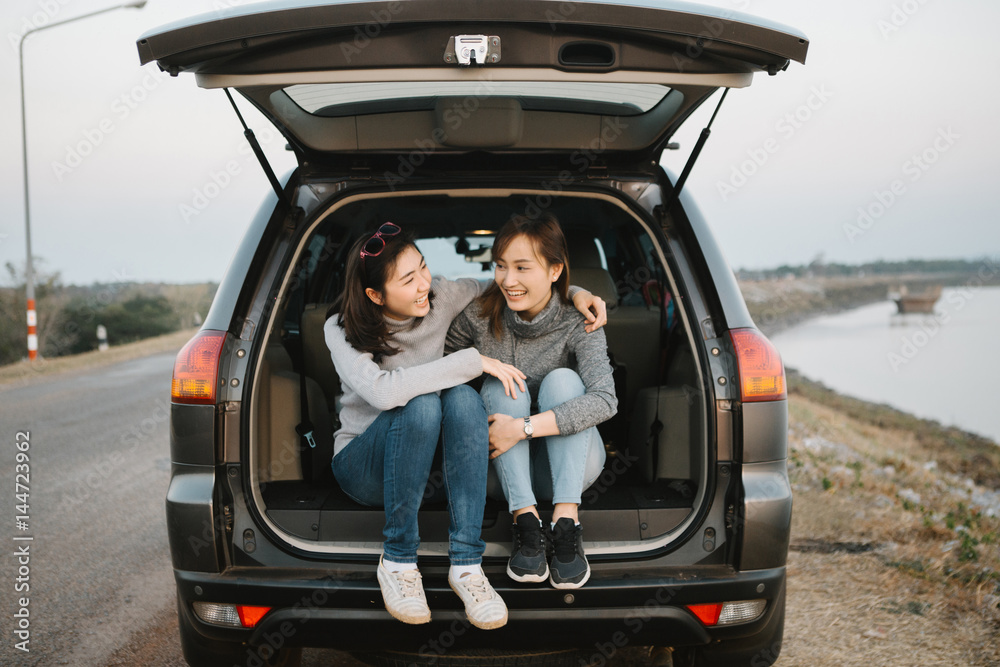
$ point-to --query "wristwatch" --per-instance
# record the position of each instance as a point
(529, 430)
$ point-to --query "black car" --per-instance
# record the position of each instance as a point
(450, 116)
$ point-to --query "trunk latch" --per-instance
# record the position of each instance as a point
(473, 49)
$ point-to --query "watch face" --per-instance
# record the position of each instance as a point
(528, 428)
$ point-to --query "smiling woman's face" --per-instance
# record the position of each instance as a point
(407, 289)
(524, 278)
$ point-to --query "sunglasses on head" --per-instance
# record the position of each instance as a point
(376, 244)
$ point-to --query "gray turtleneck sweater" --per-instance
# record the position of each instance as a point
(555, 338)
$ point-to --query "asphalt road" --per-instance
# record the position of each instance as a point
(100, 585)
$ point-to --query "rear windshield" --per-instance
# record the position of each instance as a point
(350, 99)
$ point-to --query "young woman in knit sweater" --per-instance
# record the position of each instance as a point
(523, 319)
(401, 395)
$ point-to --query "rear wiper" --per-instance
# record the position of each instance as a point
(694, 155)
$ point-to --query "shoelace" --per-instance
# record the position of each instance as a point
(565, 543)
(409, 583)
(530, 537)
(478, 586)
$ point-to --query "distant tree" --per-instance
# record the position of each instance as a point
(140, 316)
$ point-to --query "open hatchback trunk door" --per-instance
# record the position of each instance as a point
(453, 76)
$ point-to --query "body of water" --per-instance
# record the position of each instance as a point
(944, 366)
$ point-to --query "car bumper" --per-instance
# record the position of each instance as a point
(344, 610)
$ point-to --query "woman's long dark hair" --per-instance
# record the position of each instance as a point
(362, 319)
(549, 243)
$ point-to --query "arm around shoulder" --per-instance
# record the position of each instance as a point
(386, 389)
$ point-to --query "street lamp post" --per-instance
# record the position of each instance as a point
(29, 270)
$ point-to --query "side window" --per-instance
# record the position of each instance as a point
(657, 294)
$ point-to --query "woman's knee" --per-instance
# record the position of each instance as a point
(425, 403)
(462, 400)
(559, 386)
(496, 400)
(423, 414)
(596, 457)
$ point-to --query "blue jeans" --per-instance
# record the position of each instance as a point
(557, 467)
(389, 465)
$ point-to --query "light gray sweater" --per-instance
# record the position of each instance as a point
(419, 368)
(555, 338)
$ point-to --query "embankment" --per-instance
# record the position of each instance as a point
(779, 304)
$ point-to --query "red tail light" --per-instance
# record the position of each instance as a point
(196, 369)
(762, 375)
(708, 614)
(250, 615)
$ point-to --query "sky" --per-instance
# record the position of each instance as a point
(882, 146)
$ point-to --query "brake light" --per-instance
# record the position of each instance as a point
(762, 375)
(708, 614)
(196, 369)
(249, 615)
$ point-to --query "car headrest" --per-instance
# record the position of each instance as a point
(598, 281)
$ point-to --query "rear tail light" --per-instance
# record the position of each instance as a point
(196, 369)
(708, 614)
(728, 613)
(249, 615)
(762, 375)
(232, 615)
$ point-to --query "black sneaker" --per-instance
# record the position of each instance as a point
(527, 558)
(570, 568)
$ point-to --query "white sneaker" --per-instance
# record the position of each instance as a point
(403, 594)
(483, 606)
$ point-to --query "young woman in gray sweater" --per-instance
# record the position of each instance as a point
(401, 395)
(544, 442)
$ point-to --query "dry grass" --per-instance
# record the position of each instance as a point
(894, 561)
(26, 372)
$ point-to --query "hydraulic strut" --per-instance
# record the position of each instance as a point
(258, 151)
(695, 152)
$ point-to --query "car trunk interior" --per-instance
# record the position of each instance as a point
(653, 476)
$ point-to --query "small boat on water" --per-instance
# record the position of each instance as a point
(915, 303)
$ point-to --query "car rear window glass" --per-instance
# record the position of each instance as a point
(452, 258)
(349, 99)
